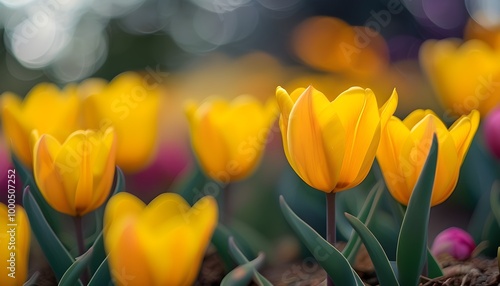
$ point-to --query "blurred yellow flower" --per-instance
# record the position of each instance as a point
(131, 104)
(159, 244)
(14, 245)
(332, 145)
(228, 138)
(75, 177)
(330, 44)
(45, 108)
(465, 76)
(404, 147)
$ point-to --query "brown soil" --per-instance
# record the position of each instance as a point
(475, 271)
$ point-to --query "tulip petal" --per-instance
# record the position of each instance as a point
(47, 174)
(16, 134)
(131, 106)
(388, 156)
(103, 164)
(204, 216)
(285, 104)
(415, 150)
(212, 153)
(388, 109)
(164, 208)
(447, 170)
(334, 144)
(61, 115)
(69, 160)
(115, 210)
(128, 260)
(416, 116)
(359, 114)
(305, 141)
(463, 131)
(85, 180)
(367, 162)
(22, 246)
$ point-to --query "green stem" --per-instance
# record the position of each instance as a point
(81, 246)
(330, 226)
(226, 202)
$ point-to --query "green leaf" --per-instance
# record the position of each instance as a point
(99, 254)
(55, 252)
(72, 275)
(242, 275)
(495, 201)
(365, 215)
(328, 257)
(219, 240)
(380, 261)
(433, 266)
(241, 259)
(412, 242)
(102, 276)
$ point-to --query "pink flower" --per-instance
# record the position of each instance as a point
(455, 242)
(492, 131)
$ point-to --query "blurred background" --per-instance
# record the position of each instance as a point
(198, 48)
(66, 41)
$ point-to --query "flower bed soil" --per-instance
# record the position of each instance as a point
(475, 271)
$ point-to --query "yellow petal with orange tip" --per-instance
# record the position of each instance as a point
(388, 156)
(120, 208)
(416, 116)
(103, 158)
(131, 106)
(305, 140)
(358, 111)
(45, 108)
(17, 136)
(47, 174)
(463, 131)
(127, 258)
(76, 176)
(228, 138)
(208, 143)
(388, 109)
(159, 257)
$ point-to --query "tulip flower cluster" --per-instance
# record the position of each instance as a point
(128, 104)
(70, 146)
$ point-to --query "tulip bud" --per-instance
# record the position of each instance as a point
(492, 131)
(455, 242)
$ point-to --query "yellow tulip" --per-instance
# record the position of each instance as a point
(75, 177)
(465, 76)
(45, 108)
(14, 245)
(332, 145)
(159, 244)
(404, 147)
(131, 104)
(229, 138)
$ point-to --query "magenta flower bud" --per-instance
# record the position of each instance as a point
(455, 242)
(492, 131)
